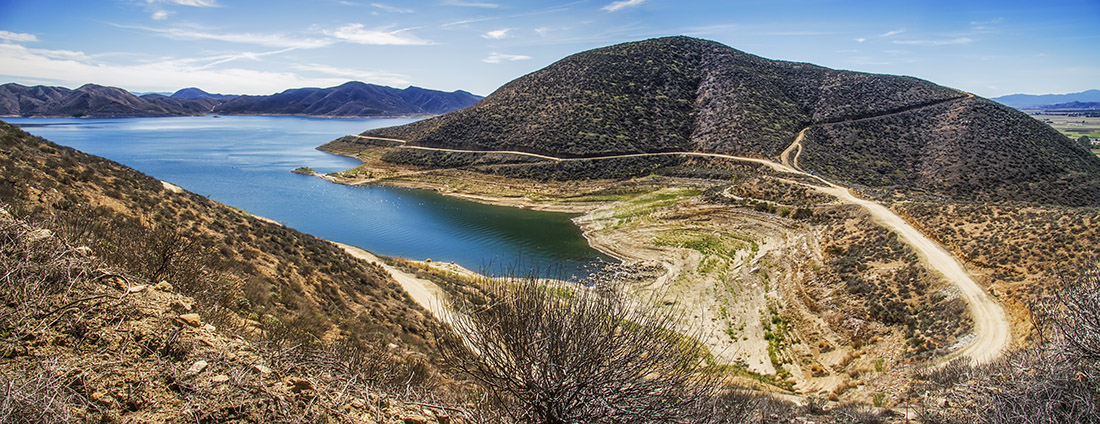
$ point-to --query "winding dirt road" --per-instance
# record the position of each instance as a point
(990, 324)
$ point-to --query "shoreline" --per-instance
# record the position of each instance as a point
(585, 219)
(217, 114)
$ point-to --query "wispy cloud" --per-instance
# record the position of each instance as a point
(269, 40)
(497, 34)
(987, 25)
(460, 3)
(384, 78)
(495, 57)
(892, 33)
(218, 60)
(948, 42)
(466, 21)
(549, 10)
(619, 5)
(17, 37)
(542, 31)
(860, 40)
(73, 68)
(161, 15)
(391, 9)
(195, 3)
(356, 33)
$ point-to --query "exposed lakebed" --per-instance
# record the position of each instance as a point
(245, 162)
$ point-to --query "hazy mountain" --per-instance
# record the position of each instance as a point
(692, 95)
(1072, 106)
(192, 93)
(90, 100)
(1035, 100)
(350, 99)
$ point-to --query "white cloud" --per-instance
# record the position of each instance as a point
(384, 78)
(953, 41)
(195, 3)
(269, 40)
(471, 4)
(892, 33)
(391, 9)
(355, 33)
(542, 31)
(72, 69)
(860, 40)
(161, 15)
(495, 57)
(622, 4)
(17, 37)
(496, 34)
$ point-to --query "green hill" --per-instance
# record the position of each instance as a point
(681, 94)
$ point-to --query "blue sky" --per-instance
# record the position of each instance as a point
(990, 48)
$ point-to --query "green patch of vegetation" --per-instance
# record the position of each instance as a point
(647, 204)
(775, 332)
(304, 170)
(878, 399)
(707, 244)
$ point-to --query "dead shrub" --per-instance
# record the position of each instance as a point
(549, 356)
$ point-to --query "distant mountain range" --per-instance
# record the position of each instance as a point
(681, 94)
(352, 99)
(1047, 101)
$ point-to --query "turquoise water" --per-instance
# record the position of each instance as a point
(245, 162)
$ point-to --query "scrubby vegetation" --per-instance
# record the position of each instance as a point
(1055, 381)
(971, 149)
(87, 336)
(430, 159)
(605, 101)
(882, 285)
(1018, 243)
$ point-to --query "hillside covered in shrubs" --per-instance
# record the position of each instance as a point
(85, 240)
(681, 94)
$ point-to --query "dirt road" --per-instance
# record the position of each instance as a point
(425, 293)
(990, 324)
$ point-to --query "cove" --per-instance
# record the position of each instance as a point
(245, 162)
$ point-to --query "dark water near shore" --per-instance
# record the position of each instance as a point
(245, 162)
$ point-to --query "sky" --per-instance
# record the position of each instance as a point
(989, 48)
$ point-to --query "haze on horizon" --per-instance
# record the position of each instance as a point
(991, 48)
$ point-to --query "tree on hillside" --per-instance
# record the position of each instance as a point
(1085, 142)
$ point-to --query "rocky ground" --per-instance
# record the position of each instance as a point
(88, 344)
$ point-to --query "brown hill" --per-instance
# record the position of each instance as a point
(690, 95)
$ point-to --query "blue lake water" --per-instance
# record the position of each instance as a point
(245, 162)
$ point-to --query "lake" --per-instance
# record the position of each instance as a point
(245, 162)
